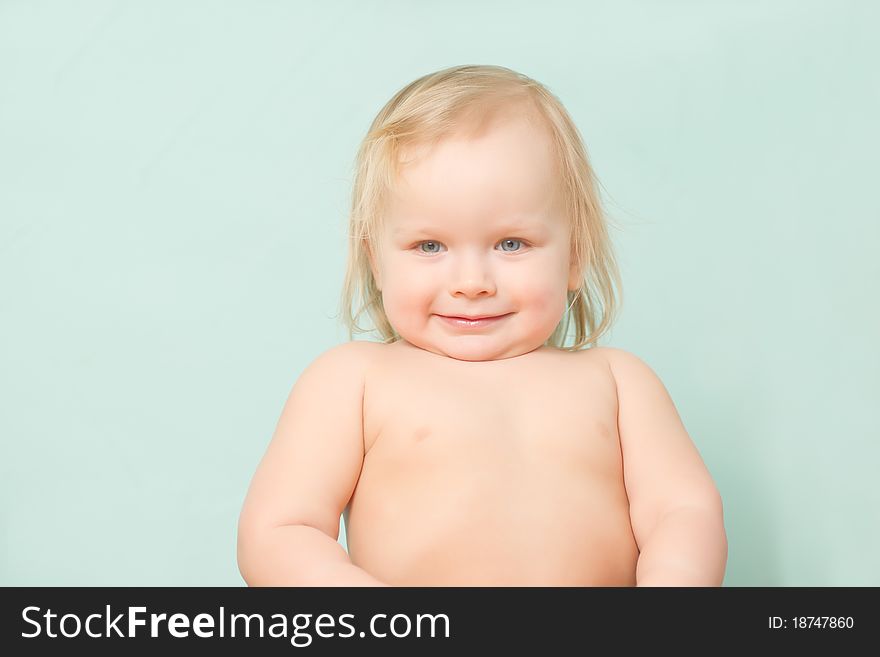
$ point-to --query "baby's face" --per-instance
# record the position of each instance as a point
(476, 230)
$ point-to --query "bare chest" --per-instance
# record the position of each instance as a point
(515, 458)
(470, 416)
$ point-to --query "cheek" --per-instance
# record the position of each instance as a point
(541, 292)
(406, 290)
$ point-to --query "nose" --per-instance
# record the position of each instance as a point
(472, 277)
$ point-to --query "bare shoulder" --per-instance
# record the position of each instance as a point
(338, 371)
(352, 349)
(350, 359)
(641, 393)
(611, 353)
(626, 366)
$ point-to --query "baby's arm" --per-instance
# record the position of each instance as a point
(289, 524)
(675, 508)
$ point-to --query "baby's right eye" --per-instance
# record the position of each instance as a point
(435, 247)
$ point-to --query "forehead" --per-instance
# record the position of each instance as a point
(508, 167)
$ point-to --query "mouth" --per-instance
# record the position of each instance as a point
(480, 321)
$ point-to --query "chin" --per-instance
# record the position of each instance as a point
(472, 356)
(476, 350)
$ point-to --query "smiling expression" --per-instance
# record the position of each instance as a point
(473, 259)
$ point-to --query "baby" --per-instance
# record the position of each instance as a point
(472, 447)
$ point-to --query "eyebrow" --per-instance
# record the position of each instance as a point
(509, 228)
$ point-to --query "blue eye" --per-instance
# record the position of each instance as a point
(431, 250)
(505, 243)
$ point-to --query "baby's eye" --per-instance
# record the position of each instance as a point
(432, 247)
(514, 244)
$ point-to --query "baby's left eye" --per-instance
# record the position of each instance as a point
(514, 244)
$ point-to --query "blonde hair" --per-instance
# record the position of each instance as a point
(436, 105)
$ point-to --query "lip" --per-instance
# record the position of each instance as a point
(473, 322)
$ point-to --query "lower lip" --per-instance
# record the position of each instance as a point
(459, 322)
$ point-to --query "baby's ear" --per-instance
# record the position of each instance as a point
(575, 275)
(371, 258)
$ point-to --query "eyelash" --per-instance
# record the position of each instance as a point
(523, 243)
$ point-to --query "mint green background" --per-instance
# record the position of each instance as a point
(174, 181)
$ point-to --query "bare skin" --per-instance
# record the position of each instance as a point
(550, 468)
(491, 473)
(468, 453)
